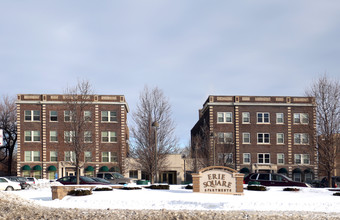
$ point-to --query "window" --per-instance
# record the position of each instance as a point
(263, 176)
(280, 138)
(53, 136)
(301, 118)
(297, 177)
(87, 137)
(224, 117)
(301, 138)
(263, 117)
(109, 136)
(245, 117)
(109, 116)
(246, 158)
(32, 136)
(301, 159)
(246, 138)
(32, 115)
(133, 174)
(32, 156)
(53, 156)
(280, 159)
(70, 156)
(88, 156)
(263, 138)
(225, 158)
(279, 118)
(87, 116)
(225, 137)
(263, 158)
(68, 115)
(109, 157)
(308, 177)
(68, 136)
(53, 116)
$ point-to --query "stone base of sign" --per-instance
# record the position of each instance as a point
(218, 180)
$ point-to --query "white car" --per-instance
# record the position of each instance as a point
(31, 180)
(6, 184)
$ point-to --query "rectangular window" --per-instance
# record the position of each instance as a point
(133, 174)
(246, 158)
(245, 117)
(68, 116)
(263, 138)
(224, 138)
(302, 159)
(279, 118)
(246, 138)
(301, 118)
(263, 158)
(225, 158)
(224, 117)
(87, 116)
(32, 115)
(109, 136)
(280, 159)
(70, 156)
(53, 136)
(53, 156)
(53, 116)
(105, 156)
(280, 138)
(263, 117)
(113, 157)
(88, 156)
(301, 138)
(32, 156)
(306, 159)
(32, 136)
(87, 137)
(68, 136)
(109, 116)
(109, 157)
(297, 158)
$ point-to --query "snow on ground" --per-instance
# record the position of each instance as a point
(178, 198)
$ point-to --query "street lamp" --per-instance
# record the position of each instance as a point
(155, 125)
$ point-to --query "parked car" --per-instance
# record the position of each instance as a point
(335, 182)
(115, 178)
(272, 179)
(97, 179)
(83, 180)
(8, 185)
(19, 179)
(31, 180)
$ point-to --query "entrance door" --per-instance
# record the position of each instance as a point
(169, 177)
(70, 173)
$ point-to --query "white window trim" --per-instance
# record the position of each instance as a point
(32, 116)
(32, 136)
(86, 136)
(277, 139)
(224, 116)
(248, 113)
(71, 136)
(71, 114)
(258, 158)
(108, 117)
(51, 116)
(225, 136)
(283, 118)
(257, 118)
(89, 116)
(263, 138)
(85, 158)
(302, 159)
(51, 137)
(277, 157)
(243, 142)
(244, 158)
(56, 156)
(300, 119)
(109, 137)
(110, 157)
(32, 156)
(301, 142)
(72, 156)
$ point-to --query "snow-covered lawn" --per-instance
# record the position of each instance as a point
(178, 198)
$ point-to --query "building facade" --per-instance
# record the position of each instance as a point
(258, 134)
(43, 146)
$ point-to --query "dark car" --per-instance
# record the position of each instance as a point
(97, 179)
(115, 178)
(272, 179)
(19, 179)
(83, 180)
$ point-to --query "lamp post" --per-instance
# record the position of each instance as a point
(185, 175)
(155, 125)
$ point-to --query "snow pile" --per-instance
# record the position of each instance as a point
(178, 198)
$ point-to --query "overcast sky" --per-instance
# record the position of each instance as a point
(188, 48)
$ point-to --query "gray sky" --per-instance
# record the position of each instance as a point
(188, 48)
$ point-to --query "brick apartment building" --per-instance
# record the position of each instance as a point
(43, 148)
(258, 134)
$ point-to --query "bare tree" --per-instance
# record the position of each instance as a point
(327, 97)
(153, 108)
(77, 102)
(9, 127)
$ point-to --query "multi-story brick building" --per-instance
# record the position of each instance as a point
(43, 144)
(259, 134)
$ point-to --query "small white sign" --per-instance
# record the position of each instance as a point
(1, 137)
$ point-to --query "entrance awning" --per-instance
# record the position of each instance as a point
(297, 170)
(244, 170)
(26, 167)
(282, 170)
(104, 169)
(52, 168)
(89, 168)
(37, 168)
